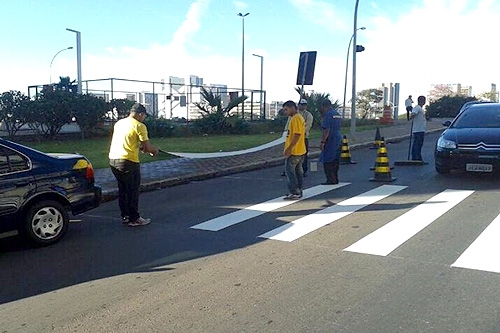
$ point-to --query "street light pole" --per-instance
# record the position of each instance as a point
(353, 101)
(346, 67)
(50, 68)
(243, 60)
(261, 81)
(78, 58)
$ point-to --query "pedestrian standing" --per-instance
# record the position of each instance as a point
(331, 142)
(419, 124)
(129, 136)
(295, 149)
(409, 107)
(309, 119)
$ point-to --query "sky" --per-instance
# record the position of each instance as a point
(416, 43)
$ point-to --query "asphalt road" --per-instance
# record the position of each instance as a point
(374, 257)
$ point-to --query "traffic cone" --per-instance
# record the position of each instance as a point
(345, 154)
(382, 168)
(376, 142)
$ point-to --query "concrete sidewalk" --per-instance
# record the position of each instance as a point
(177, 171)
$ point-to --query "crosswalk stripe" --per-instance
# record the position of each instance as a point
(482, 254)
(301, 227)
(389, 237)
(239, 216)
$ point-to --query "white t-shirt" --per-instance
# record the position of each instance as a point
(408, 102)
(419, 122)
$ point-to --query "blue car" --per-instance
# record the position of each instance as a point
(471, 142)
(38, 191)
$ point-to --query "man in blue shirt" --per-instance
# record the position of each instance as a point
(331, 142)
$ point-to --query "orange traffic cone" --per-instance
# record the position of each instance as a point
(382, 168)
(376, 142)
(345, 154)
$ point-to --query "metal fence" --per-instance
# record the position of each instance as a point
(171, 100)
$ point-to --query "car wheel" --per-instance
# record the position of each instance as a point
(441, 170)
(46, 222)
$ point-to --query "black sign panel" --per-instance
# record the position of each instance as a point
(307, 61)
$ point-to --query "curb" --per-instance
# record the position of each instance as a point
(112, 194)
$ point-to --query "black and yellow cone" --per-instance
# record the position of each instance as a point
(377, 140)
(345, 153)
(382, 168)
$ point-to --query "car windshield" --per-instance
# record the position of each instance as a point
(479, 117)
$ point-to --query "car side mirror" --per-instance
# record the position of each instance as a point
(447, 123)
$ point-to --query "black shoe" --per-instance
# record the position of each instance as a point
(283, 174)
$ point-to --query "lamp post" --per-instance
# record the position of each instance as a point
(346, 67)
(50, 68)
(353, 101)
(261, 85)
(78, 58)
(243, 59)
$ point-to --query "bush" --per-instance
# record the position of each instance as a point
(447, 106)
(160, 127)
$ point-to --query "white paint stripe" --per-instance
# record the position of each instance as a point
(232, 153)
(292, 231)
(482, 254)
(239, 216)
(389, 237)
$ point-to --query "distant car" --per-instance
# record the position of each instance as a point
(471, 142)
(38, 190)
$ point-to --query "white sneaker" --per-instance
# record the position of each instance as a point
(139, 222)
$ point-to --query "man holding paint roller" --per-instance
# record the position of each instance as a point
(129, 136)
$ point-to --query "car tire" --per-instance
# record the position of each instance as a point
(442, 170)
(45, 222)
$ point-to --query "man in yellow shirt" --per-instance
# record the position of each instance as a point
(129, 136)
(295, 149)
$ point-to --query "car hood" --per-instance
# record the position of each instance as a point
(489, 136)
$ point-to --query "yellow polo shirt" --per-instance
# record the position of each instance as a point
(128, 134)
(296, 124)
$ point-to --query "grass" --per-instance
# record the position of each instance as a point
(96, 149)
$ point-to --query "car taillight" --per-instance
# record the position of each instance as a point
(89, 174)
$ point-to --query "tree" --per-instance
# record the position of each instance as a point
(50, 112)
(489, 95)
(447, 106)
(216, 118)
(439, 91)
(368, 101)
(66, 84)
(122, 107)
(89, 112)
(13, 111)
(314, 101)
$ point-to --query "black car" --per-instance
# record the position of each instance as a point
(471, 142)
(37, 191)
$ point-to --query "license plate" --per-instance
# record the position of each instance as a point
(479, 167)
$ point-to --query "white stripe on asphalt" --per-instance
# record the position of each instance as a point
(239, 216)
(389, 237)
(301, 227)
(482, 254)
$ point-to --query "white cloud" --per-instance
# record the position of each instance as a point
(320, 13)
(240, 4)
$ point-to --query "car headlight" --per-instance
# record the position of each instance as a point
(448, 144)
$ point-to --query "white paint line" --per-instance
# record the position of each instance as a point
(482, 254)
(232, 153)
(239, 216)
(292, 231)
(392, 235)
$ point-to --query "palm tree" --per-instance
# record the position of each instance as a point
(214, 112)
(314, 101)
